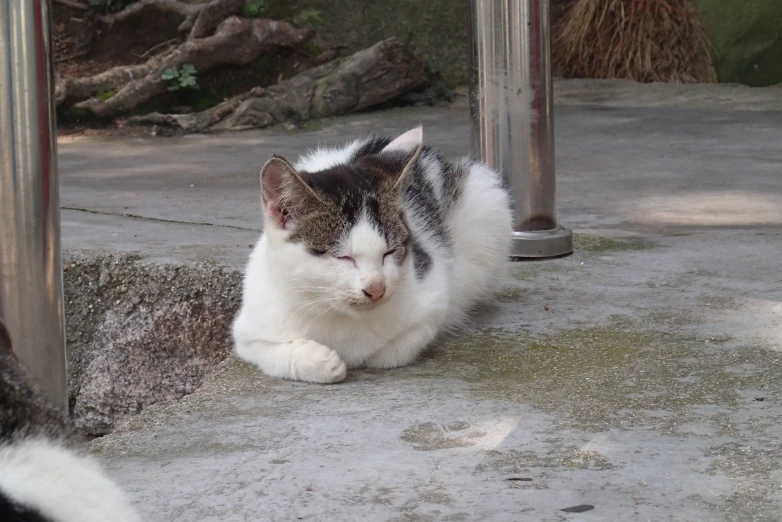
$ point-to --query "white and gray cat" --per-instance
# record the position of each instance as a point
(45, 473)
(369, 252)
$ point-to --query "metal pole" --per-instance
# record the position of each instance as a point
(511, 109)
(31, 303)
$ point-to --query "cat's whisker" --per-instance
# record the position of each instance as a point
(307, 287)
(312, 289)
(311, 304)
(323, 312)
(401, 291)
(302, 316)
(314, 300)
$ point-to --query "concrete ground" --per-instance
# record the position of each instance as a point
(638, 378)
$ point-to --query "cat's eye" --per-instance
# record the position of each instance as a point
(347, 258)
(316, 252)
(389, 253)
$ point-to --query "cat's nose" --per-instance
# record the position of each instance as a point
(375, 291)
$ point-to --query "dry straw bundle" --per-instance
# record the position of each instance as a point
(642, 40)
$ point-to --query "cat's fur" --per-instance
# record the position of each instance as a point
(369, 251)
(45, 474)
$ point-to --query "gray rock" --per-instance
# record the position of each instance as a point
(139, 333)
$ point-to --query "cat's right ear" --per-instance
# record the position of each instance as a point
(283, 192)
(276, 177)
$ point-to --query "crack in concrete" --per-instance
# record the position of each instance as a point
(154, 219)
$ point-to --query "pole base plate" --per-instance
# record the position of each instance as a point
(542, 243)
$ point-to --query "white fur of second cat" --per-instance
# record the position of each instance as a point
(61, 484)
(299, 318)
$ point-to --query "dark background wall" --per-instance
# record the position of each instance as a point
(747, 39)
(746, 34)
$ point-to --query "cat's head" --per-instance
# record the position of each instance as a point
(341, 231)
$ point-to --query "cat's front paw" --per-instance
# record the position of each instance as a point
(314, 362)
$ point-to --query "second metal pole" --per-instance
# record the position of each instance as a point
(511, 109)
(31, 302)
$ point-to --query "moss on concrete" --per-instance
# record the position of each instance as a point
(558, 457)
(428, 436)
(512, 295)
(608, 376)
(585, 246)
(602, 245)
(530, 271)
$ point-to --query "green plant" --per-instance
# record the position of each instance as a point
(106, 95)
(310, 17)
(253, 8)
(184, 78)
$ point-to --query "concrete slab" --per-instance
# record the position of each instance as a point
(636, 170)
(639, 376)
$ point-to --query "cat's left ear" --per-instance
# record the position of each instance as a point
(408, 141)
(401, 181)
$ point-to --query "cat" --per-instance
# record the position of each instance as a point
(45, 474)
(369, 252)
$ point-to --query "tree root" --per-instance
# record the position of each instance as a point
(189, 11)
(218, 37)
(212, 14)
(237, 41)
(200, 19)
(83, 88)
(73, 4)
(364, 79)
